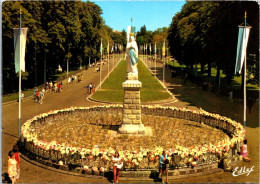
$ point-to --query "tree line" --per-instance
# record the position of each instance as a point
(157, 37)
(57, 31)
(206, 33)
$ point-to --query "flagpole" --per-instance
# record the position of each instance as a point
(150, 55)
(147, 61)
(163, 54)
(163, 69)
(167, 57)
(155, 57)
(100, 63)
(108, 58)
(146, 54)
(67, 67)
(113, 56)
(245, 80)
(44, 67)
(20, 78)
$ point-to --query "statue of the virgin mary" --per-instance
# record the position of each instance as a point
(131, 53)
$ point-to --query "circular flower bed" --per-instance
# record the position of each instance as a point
(85, 138)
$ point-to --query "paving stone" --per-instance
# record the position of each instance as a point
(128, 101)
(127, 111)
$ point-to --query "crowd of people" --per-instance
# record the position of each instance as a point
(14, 164)
(242, 151)
(97, 68)
(50, 87)
(38, 95)
(91, 88)
(164, 162)
(75, 78)
(53, 87)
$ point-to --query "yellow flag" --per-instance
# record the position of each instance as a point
(108, 48)
(163, 49)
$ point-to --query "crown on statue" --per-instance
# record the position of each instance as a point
(132, 33)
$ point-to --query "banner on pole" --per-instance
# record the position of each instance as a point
(155, 48)
(243, 35)
(112, 49)
(163, 49)
(19, 48)
(101, 47)
(108, 47)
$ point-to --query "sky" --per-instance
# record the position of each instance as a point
(152, 14)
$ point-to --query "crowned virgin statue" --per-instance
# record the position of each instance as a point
(131, 54)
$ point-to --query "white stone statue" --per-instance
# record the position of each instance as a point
(131, 55)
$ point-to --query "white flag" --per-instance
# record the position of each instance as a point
(155, 48)
(243, 35)
(112, 49)
(19, 48)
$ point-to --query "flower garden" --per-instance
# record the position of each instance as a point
(84, 139)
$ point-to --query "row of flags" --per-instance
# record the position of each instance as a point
(115, 47)
(145, 47)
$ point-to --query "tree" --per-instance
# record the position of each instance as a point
(206, 32)
(56, 29)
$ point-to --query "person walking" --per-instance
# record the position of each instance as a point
(17, 158)
(51, 86)
(118, 164)
(46, 86)
(87, 89)
(41, 97)
(12, 166)
(69, 80)
(164, 165)
(37, 96)
(244, 151)
(93, 88)
(90, 88)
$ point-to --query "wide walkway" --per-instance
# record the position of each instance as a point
(75, 95)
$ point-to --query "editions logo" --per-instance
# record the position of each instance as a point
(242, 170)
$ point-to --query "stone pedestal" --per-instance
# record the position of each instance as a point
(132, 123)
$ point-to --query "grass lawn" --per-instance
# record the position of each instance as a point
(15, 96)
(112, 90)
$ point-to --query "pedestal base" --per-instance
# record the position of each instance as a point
(132, 123)
(132, 129)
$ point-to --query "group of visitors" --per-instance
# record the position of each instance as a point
(53, 87)
(13, 165)
(92, 65)
(97, 68)
(118, 164)
(243, 150)
(38, 95)
(91, 88)
(74, 78)
(164, 162)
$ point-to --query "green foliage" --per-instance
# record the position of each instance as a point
(206, 33)
(57, 30)
(159, 36)
(144, 36)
